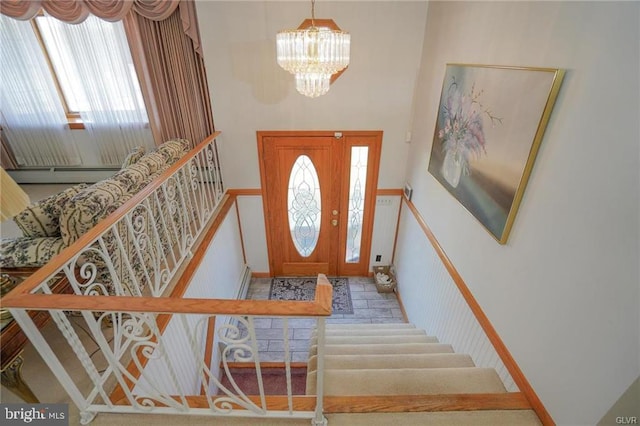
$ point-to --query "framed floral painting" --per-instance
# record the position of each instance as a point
(491, 120)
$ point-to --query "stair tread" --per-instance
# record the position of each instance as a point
(446, 360)
(408, 381)
(381, 348)
(372, 326)
(458, 418)
(386, 340)
(373, 332)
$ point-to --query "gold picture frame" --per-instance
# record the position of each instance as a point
(491, 121)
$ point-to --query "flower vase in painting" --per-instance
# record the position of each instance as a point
(462, 136)
(451, 168)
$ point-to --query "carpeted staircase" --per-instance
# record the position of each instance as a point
(399, 359)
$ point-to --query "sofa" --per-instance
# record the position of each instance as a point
(54, 223)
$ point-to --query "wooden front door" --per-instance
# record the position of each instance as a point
(319, 197)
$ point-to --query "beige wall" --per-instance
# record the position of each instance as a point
(563, 292)
(251, 92)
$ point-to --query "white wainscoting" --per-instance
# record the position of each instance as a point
(433, 302)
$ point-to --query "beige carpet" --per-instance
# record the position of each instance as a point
(48, 390)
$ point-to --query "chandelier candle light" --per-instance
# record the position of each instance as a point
(313, 55)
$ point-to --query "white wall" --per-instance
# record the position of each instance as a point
(384, 229)
(251, 92)
(254, 235)
(563, 292)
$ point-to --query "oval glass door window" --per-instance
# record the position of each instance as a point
(303, 202)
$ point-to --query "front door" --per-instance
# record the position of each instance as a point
(319, 197)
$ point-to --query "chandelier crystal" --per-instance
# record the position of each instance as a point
(313, 55)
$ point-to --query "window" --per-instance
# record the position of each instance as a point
(57, 76)
(65, 47)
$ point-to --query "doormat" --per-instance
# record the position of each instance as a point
(304, 288)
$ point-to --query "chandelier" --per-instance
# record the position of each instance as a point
(313, 54)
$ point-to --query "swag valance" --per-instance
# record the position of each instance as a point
(76, 11)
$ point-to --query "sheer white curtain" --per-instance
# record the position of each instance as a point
(97, 73)
(31, 115)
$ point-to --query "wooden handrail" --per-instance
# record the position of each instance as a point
(57, 262)
(320, 306)
(377, 403)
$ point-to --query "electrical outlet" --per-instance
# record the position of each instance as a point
(378, 258)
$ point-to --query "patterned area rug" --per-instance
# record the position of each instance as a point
(304, 288)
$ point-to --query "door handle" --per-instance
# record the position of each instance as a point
(334, 222)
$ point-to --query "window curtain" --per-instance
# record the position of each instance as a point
(168, 63)
(32, 118)
(97, 54)
(177, 89)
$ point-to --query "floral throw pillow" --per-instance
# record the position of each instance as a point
(42, 219)
(133, 156)
(154, 161)
(28, 252)
(174, 149)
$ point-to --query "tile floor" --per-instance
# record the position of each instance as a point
(369, 307)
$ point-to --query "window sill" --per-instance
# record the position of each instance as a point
(75, 123)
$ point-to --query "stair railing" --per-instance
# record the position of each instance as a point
(152, 369)
(120, 343)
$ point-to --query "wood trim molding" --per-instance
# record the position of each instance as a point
(395, 237)
(321, 306)
(516, 373)
(404, 312)
(244, 253)
(245, 192)
(389, 191)
(381, 403)
(258, 191)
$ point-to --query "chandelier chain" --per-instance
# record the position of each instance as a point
(313, 13)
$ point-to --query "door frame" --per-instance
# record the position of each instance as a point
(349, 138)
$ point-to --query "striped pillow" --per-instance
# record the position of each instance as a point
(89, 207)
(42, 219)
